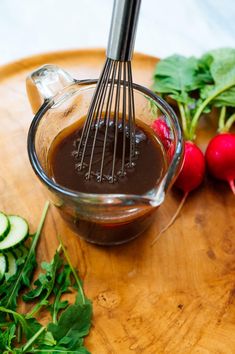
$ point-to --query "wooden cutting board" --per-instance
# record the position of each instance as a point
(175, 297)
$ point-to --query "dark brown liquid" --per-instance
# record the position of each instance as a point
(149, 162)
(150, 166)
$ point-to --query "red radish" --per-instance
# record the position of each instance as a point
(162, 131)
(220, 158)
(190, 177)
(193, 168)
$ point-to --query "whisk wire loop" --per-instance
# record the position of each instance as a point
(111, 115)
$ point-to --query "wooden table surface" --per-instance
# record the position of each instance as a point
(175, 297)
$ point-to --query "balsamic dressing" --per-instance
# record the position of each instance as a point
(150, 164)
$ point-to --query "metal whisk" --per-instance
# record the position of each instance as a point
(107, 145)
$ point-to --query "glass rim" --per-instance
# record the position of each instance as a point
(105, 198)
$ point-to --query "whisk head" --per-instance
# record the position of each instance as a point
(106, 148)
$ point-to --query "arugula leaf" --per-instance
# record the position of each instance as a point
(81, 299)
(14, 284)
(33, 326)
(47, 339)
(10, 289)
(7, 336)
(61, 286)
(74, 322)
(44, 284)
(29, 326)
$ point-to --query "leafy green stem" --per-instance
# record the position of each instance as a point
(8, 351)
(16, 316)
(187, 114)
(229, 122)
(203, 106)
(222, 118)
(30, 253)
(54, 315)
(73, 271)
(5, 324)
(19, 334)
(67, 351)
(183, 118)
(36, 309)
(32, 339)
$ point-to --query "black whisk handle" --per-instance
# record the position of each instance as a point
(123, 29)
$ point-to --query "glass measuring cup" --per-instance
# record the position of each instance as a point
(59, 101)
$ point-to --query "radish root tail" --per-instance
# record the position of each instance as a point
(232, 185)
(172, 220)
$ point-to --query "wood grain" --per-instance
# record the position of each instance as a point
(175, 297)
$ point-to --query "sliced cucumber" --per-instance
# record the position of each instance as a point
(4, 225)
(12, 266)
(3, 265)
(17, 234)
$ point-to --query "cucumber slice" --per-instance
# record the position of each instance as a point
(4, 226)
(3, 265)
(17, 234)
(12, 266)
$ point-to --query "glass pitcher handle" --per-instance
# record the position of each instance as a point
(44, 83)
